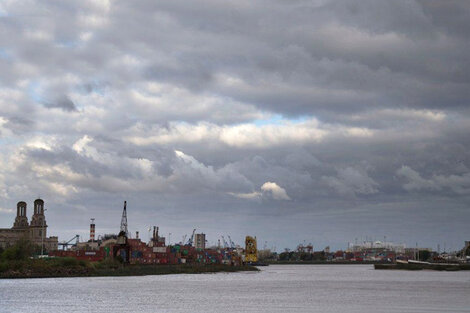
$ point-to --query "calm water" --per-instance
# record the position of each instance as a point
(281, 288)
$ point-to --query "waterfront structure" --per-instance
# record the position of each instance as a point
(367, 245)
(466, 249)
(135, 251)
(251, 251)
(35, 232)
(200, 241)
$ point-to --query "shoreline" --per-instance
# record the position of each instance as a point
(419, 267)
(85, 269)
(325, 263)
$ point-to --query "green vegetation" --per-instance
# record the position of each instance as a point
(17, 262)
(139, 270)
(294, 256)
(425, 255)
(20, 251)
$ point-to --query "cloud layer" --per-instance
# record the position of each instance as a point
(301, 120)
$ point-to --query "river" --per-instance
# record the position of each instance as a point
(277, 288)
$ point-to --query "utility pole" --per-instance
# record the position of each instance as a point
(42, 234)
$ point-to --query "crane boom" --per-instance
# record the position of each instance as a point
(232, 244)
(65, 244)
(225, 242)
(191, 239)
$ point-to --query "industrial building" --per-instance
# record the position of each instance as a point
(367, 245)
(35, 232)
(200, 241)
(135, 251)
(121, 246)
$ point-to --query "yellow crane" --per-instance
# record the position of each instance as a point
(251, 251)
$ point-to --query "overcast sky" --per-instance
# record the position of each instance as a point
(316, 121)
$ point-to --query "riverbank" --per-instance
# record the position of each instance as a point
(69, 267)
(343, 262)
(424, 266)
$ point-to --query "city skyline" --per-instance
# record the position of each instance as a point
(322, 121)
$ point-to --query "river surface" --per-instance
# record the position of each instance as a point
(277, 288)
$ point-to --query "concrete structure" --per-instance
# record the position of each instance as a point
(367, 245)
(200, 241)
(36, 231)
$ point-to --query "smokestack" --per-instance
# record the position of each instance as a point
(156, 235)
(154, 232)
(136, 235)
(92, 230)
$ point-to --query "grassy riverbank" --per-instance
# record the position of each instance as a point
(69, 267)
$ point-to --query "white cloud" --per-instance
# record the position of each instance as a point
(249, 195)
(268, 190)
(247, 135)
(80, 144)
(277, 192)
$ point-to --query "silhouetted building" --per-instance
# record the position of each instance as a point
(36, 231)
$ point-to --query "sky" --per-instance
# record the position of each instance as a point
(320, 122)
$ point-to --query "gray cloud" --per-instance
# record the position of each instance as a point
(357, 110)
(456, 183)
(351, 181)
(63, 103)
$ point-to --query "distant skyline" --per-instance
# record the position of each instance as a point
(317, 121)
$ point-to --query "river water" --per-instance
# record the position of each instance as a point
(277, 288)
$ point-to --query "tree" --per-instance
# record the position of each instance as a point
(424, 255)
(21, 250)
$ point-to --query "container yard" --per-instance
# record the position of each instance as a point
(135, 251)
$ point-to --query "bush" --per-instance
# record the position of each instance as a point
(22, 250)
(68, 262)
(3, 266)
(107, 264)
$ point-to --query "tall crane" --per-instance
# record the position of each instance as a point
(66, 244)
(124, 220)
(225, 242)
(232, 244)
(191, 239)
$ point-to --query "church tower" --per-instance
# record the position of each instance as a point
(21, 220)
(38, 222)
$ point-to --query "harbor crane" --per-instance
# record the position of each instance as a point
(232, 244)
(225, 242)
(191, 239)
(124, 221)
(66, 244)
